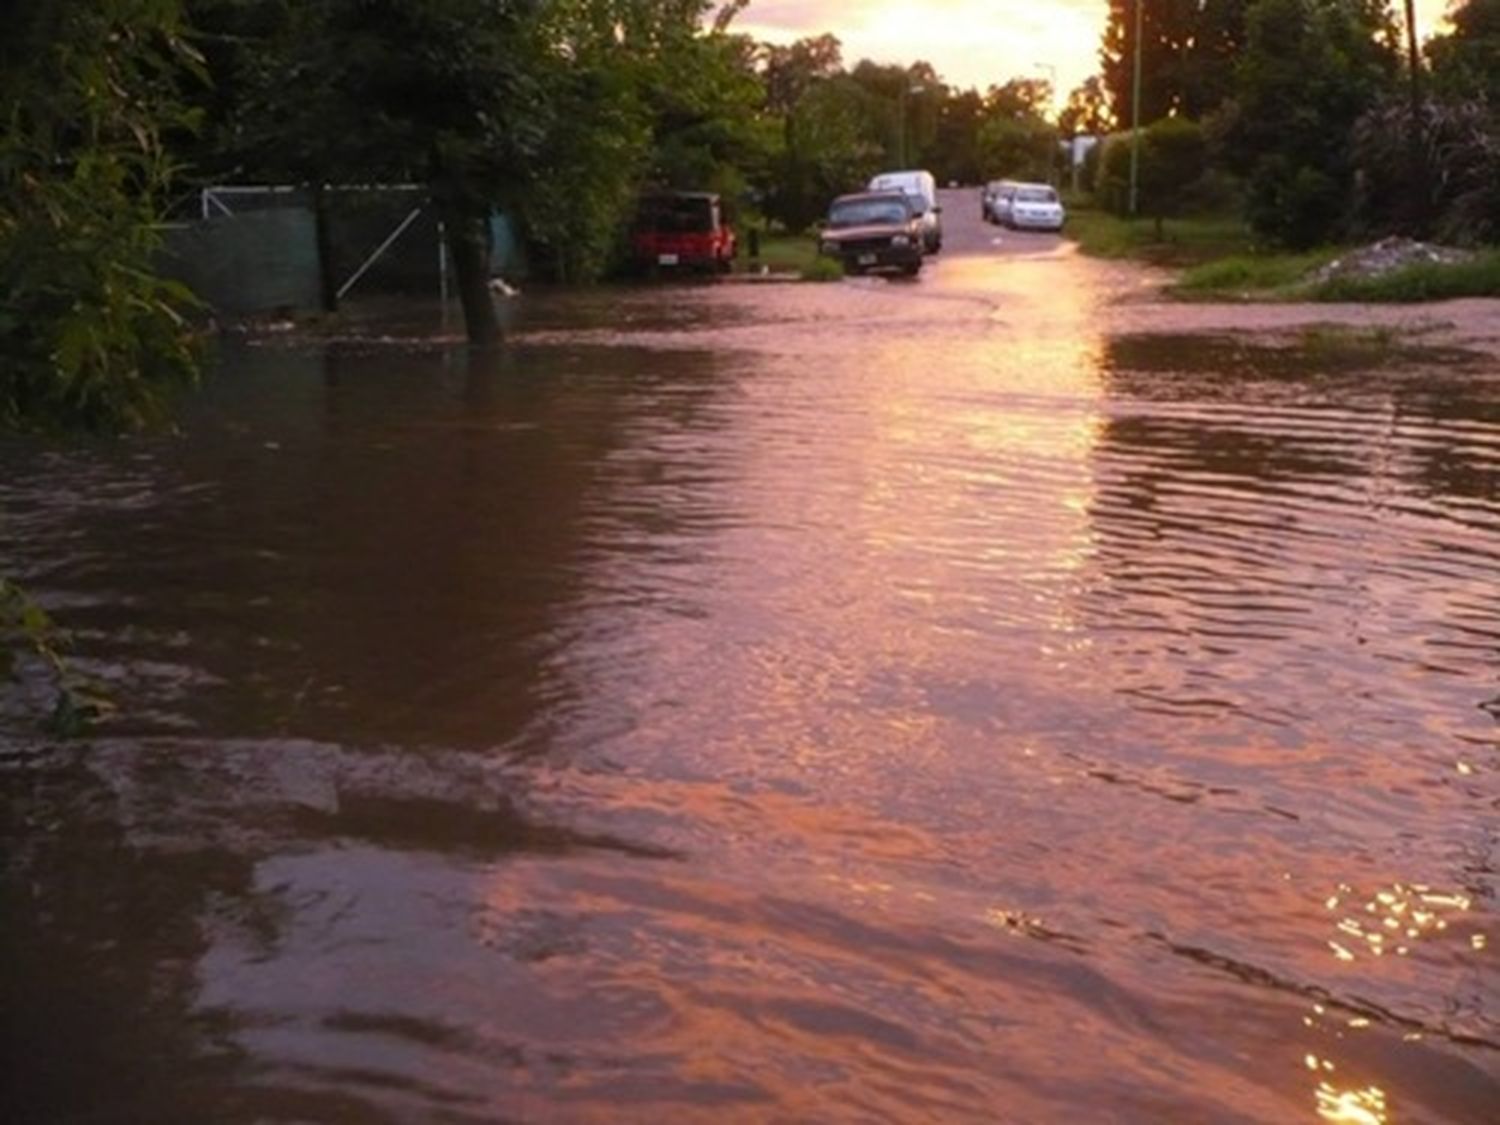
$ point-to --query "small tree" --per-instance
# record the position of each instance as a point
(1020, 148)
(1174, 158)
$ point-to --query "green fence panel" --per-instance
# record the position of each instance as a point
(258, 261)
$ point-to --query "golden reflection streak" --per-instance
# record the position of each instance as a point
(1394, 917)
(1352, 1107)
(1401, 912)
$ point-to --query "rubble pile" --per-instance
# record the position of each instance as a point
(1387, 256)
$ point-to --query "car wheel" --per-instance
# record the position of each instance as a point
(911, 269)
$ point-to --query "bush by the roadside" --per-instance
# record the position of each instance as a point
(1477, 277)
(823, 269)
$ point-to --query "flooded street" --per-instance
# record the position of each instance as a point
(976, 699)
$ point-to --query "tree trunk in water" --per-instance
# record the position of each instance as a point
(328, 282)
(469, 247)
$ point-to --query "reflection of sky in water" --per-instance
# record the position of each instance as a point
(913, 693)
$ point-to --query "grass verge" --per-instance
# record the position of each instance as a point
(1243, 275)
(780, 253)
(1188, 241)
(1282, 277)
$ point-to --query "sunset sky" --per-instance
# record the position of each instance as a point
(970, 42)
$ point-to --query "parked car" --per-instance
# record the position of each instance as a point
(921, 189)
(874, 231)
(989, 199)
(682, 229)
(1036, 207)
(1001, 201)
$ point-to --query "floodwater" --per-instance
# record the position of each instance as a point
(883, 701)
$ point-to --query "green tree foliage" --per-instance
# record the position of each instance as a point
(1015, 140)
(707, 132)
(448, 93)
(90, 337)
(1188, 48)
(1466, 61)
(1018, 148)
(1173, 161)
(790, 70)
(832, 146)
(556, 112)
(1310, 69)
(955, 155)
(905, 105)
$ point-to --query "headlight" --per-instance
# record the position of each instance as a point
(828, 248)
(901, 240)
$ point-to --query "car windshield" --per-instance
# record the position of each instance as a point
(1036, 195)
(867, 212)
(681, 215)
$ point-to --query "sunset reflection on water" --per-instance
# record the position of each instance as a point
(856, 702)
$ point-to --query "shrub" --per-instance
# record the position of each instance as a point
(1456, 193)
(823, 268)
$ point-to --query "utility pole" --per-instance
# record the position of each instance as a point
(901, 114)
(1418, 171)
(1052, 108)
(907, 88)
(1135, 113)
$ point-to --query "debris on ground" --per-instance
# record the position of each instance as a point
(1387, 256)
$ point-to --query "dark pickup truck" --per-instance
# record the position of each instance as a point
(873, 231)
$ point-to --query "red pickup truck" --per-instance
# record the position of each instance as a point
(682, 230)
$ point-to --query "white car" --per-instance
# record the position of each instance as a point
(1035, 207)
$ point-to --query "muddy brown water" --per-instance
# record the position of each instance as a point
(933, 701)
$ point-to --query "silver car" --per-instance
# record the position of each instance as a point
(1035, 207)
(994, 200)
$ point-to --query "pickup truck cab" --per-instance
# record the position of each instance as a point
(921, 189)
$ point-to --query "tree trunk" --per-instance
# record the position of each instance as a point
(328, 282)
(469, 247)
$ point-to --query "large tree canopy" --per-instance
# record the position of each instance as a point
(1188, 48)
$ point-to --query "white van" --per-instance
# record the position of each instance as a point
(921, 189)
